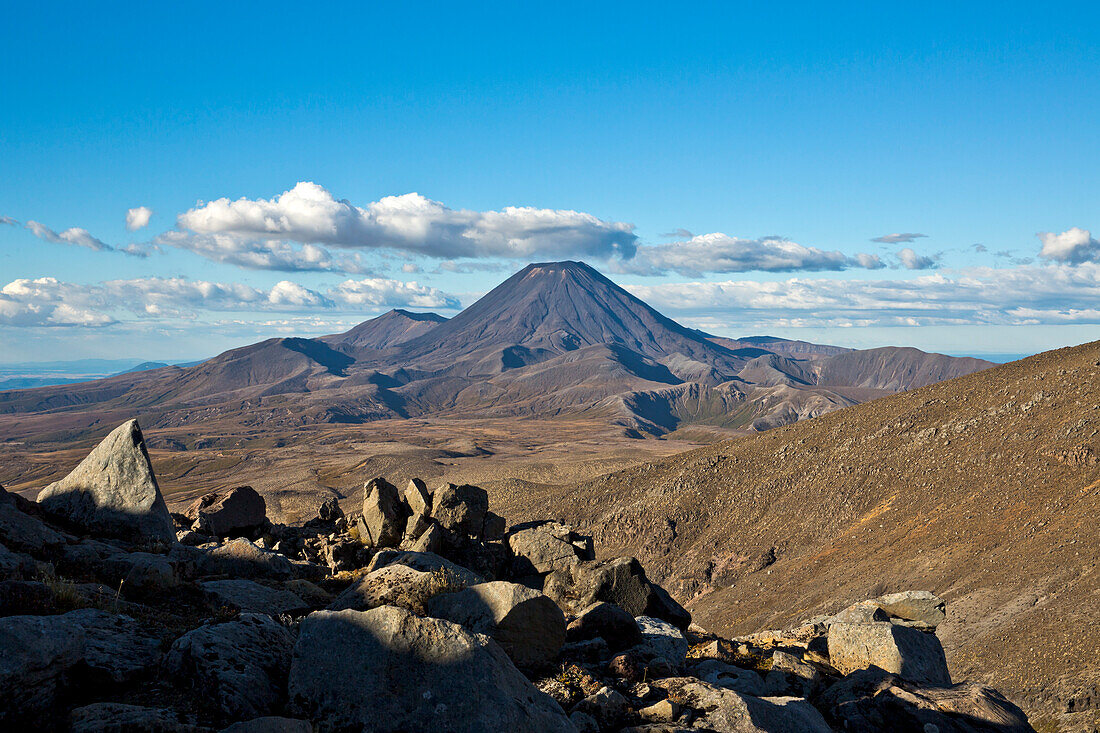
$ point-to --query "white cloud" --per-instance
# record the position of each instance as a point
(409, 268)
(258, 232)
(50, 302)
(256, 254)
(719, 252)
(973, 296)
(910, 260)
(1072, 246)
(9, 221)
(899, 238)
(74, 235)
(138, 217)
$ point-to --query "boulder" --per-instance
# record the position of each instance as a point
(330, 510)
(387, 670)
(863, 612)
(727, 711)
(660, 639)
(395, 585)
(249, 596)
(116, 647)
(608, 707)
(621, 581)
(113, 491)
(239, 511)
(429, 541)
(37, 654)
(417, 498)
(427, 562)
(241, 558)
(117, 717)
(144, 572)
(541, 549)
(909, 653)
(21, 531)
(460, 509)
(608, 622)
(16, 565)
(271, 724)
(239, 666)
(721, 674)
(384, 515)
(528, 626)
(920, 608)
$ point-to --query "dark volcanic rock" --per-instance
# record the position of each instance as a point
(240, 510)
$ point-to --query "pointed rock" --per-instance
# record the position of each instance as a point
(384, 514)
(113, 491)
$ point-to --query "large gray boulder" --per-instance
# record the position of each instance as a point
(239, 666)
(395, 585)
(37, 654)
(417, 497)
(241, 558)
(22, 532)
(660, 639)
(727, 711)
(543, 548)
(251, 597)
(113, 491)
(460, 509)
(116, 646)
(427, 562)
(528, 626)
(238, 511)
(384, 515)
(913, 655)
(621, 581)
(387, 670)
(608, 622)
(918, 608)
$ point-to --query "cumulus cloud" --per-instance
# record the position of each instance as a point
(138, 217)
(719, 252)
(1072, 246)
(310, 216)
(910, 260)
(74, 235)
(50, 302)
(256, 254)
(981, 295)
(899, 238)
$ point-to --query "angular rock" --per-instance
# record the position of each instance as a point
(608, 707)
(539, 549)
(115, 646)
(309, 592)
(240, 510)
(386, 670)
(330, 510)
(721, 674)
(37, 654)
(241, 558)
(117, 717)
(528, 626)
(460, 509)
(144, 572)
(417, 497)
(23, 532)
(723, 710)
(384, 515)
(417, 525)
(909, 653)
(608, 622)
(863, 612)
(921, 608)
(251, 597)
(113, 491)
(395, 585)
(660, 639)
(240, 666)
(495, 527)
(621, 581)
(427, 562)
(429, 541)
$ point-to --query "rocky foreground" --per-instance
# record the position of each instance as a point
(423, 611)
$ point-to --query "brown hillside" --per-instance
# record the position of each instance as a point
(984, 489)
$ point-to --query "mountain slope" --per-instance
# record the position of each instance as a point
(387, 330)
(983, 489)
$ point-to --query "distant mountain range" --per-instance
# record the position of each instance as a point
(554, 339)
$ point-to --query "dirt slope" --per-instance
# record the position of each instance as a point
(984, 489)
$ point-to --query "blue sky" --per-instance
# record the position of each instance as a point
(730, 163)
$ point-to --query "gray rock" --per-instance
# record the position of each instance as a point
(144, 572)
(394, 585)
(919, 607)
(250, 596)
(660, 639)
(540, 549)
(117, 717)
(417, 525)
(528, 626)
(727, 711)
(607, 706)
(460, 509)
(16, 565)
(427, 562)
(387, 670)
(495, 527)
(621, 581)
(19, 597)
(240, 666)
(271, 724)
(608, 622)
(36, 656)
(417, 497)
(583, 722)
(238, 511)
(330, 510)
(384, 515)
(241, 558)
(863, 612)
(909, 653)
(23, 532)
(113, 491)
(721, 674)
(115, 646)
(429, 541)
